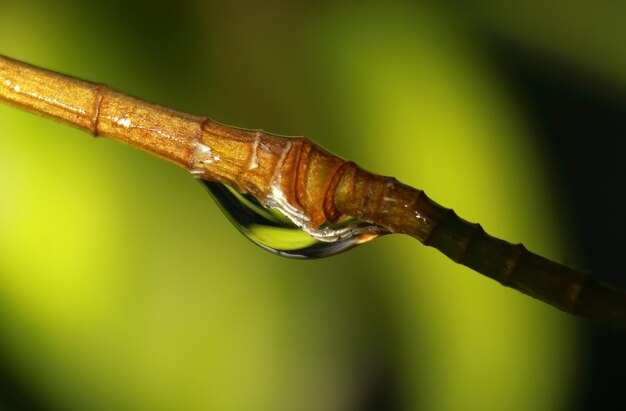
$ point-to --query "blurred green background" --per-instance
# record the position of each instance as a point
(122, 286)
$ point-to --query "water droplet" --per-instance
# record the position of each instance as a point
(280, 232)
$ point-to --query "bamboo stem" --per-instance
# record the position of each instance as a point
(306, 179)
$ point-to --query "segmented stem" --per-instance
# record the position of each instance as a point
(315, 186)
(403, 209)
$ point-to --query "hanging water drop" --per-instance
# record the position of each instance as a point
(269, 227)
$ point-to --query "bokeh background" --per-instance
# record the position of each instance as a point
(123, 287)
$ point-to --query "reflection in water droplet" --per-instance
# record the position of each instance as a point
(272, 230)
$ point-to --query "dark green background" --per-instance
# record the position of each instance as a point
(123, 287)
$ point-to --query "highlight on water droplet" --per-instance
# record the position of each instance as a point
(276, 231)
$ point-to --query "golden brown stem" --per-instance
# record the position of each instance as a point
(309, 180)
